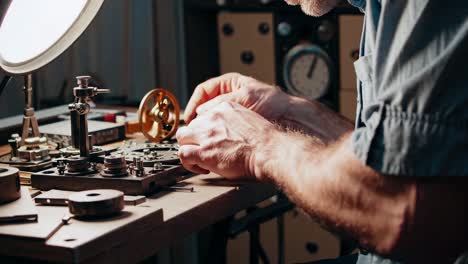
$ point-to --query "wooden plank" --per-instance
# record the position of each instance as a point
(142, 230)
(20, 209)
(184, 213)
(83, 239)
(49, 219)
(86, 239)
(134, 200)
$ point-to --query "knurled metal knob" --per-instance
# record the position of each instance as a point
(77, 164)
(158, 166)
(114, 166)
(83, 81)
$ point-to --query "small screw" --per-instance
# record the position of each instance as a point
(131, 168)
(146, 152)
(61, 167)
(158, 166)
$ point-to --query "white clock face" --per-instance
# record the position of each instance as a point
(308, 73)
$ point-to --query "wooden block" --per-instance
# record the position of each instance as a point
(86, 239)
(140, 231)
(53, 197)
(19, 210)
(94, 204)
(24, 208)
(134, 200)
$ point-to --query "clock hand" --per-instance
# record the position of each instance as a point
(312, 67)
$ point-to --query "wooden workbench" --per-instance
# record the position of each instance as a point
(140, 231)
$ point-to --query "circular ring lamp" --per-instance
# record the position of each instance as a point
(34, 33)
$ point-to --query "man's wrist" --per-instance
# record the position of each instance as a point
(291, 108)
(297, 115)
(280, 153)
(265, 156)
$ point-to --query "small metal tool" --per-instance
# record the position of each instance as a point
(179, 189)
(78, 114)
(29, 119)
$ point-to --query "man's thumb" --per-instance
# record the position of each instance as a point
(207, 106)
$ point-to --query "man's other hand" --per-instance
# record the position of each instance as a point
(267, 100)
(228, 139)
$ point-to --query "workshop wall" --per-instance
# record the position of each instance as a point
(304, 240)
(12, 98)
(117, 49)
(122, 50)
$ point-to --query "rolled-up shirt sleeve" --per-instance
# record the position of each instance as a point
(413, 97)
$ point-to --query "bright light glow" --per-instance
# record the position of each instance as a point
(31, 27)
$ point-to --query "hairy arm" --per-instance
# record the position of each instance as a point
(401, 217)
(312, 118)
(415, 219)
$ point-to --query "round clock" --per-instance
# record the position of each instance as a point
(307, 71)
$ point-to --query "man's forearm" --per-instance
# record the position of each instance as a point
(392, 215)
(330, 184)
(320, 174)
(302, 115)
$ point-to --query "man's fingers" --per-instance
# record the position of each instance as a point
(230, 97)
(207, 91)
(190, 157)
(186, 136)
(196, 169)
(199, 97)
(203, 93)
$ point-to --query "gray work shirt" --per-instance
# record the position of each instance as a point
(412, 116)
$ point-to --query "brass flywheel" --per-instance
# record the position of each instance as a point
(158, 115)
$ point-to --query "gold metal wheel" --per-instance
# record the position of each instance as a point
(158, 115)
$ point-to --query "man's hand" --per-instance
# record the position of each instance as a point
(226, 140)
(267, 100)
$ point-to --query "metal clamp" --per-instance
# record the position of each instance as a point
(79, 111)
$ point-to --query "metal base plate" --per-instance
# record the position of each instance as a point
(96, 153)
(166, 153)
(26, 165)
(131, 185)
